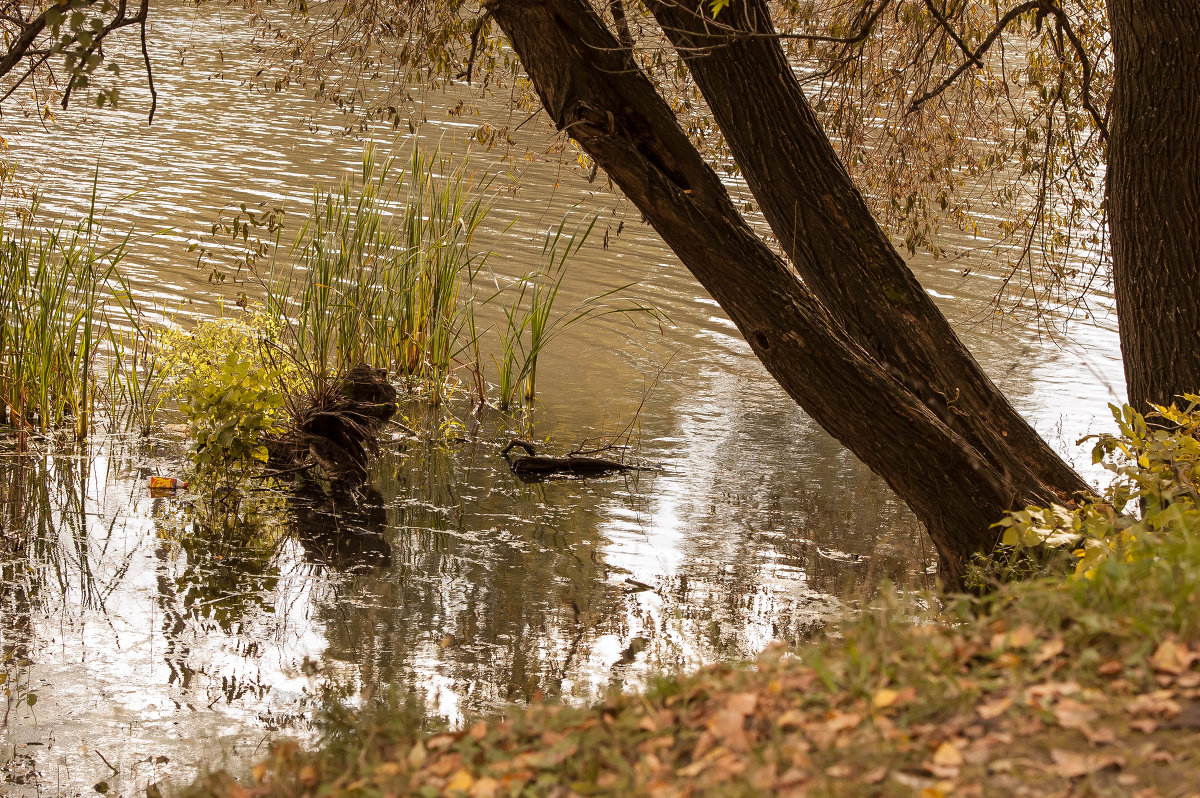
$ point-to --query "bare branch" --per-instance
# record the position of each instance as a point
(974, 57)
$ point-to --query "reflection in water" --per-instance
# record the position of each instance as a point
(155, 630)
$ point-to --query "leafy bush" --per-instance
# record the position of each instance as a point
(232, 391)
(1153, 494)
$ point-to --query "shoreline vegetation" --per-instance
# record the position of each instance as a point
(1085, 687)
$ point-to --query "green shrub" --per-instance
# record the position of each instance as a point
(1153, 495)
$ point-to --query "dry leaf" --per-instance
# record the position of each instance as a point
(843, 721)
(1072, 764)
(1072, 714)
(479, 730)
(877, 775)
(947, 755)
(842, 770)
(1049, 650)
(461, 781)
(1160, 702)
(790, 720)
(1145, 725)
(1171, 657)
(994, 709)
(486, 787)
(727, 726)
(743, 703)
(884, 698)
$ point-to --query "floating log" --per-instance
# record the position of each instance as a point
(534, 467)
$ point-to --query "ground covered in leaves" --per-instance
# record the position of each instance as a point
(1076, 687)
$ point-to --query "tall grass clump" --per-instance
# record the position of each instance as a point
(61, 296)
(377, 271)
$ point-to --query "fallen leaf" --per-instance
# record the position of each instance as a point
(417, 756)
(1072, 714)
(728, 726)
(884, 698)
(1049, 650)
(994, 709)
(1160, 702)
(461, 781)
(1171, 657)
(1145, 725)
(842, 770)
(742, 703)
(486, 787)
(1021, 637)
(479, 730)
(790, 720)
(843, 721)
(875, 776)
(1073, 764)
(947, 755)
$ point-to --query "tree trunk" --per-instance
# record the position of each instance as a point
(831, 237)
(887, 413)
(1154, 195)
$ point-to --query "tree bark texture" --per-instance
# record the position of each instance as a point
(591, 88)
(1154, 195)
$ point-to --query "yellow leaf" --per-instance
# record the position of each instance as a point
(884, 698)
(948, 756)
(461, 781)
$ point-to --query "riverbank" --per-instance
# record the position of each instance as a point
(1084, 687)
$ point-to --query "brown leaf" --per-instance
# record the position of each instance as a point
(742, 703)
(841, 770)
(1049, 650)
(994, 709)
(727, 726)
(877, 775)
(1160, 702)
(791, 719)
(479, 730)
(947, 755)
(1035, 694)
(486, 787)
(843, 721)
(1171, 657)
(1072, 714)
(461, 781)
(884, 698)
(1073, 764)
(1145, 725)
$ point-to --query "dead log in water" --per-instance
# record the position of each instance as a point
(534, 467)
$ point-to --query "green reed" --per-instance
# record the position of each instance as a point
(58, 286)
(377, 271)
(530, 324)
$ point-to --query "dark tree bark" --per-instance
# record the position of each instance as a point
(831, 237)
(958, 478)
(1154, 195)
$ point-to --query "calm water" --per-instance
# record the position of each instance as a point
(153, 645)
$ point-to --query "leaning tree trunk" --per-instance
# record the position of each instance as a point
(826, 230)
(887, 415)
(1154, 195)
